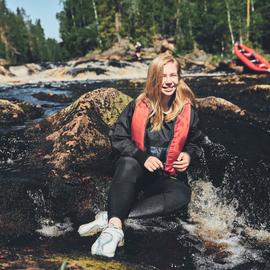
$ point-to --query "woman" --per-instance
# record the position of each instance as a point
(156, 137)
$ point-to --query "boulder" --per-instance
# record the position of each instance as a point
(4, 62)
(5, 72)
(76, 71)
(219, 104)
(33, 68)
(14, 112)
(258, 88)
(10, 113)
(70, 151)
(60, 98)
(77, 136)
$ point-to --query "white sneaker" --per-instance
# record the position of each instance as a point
(91, 228)
(110, 238)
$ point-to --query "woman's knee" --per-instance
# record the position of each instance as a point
(129, 164)
(177, 198)
(127, 169)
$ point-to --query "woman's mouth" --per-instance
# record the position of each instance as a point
(168, 89)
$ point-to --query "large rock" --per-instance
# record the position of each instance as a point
(67, 166)
(13, 112)
(219, 104)
(10, 112)
(5, 71)
(77, 136)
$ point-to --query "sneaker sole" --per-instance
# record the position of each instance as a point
(109, 255)
(94, 230)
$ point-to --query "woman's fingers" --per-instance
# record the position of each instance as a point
(157, 163)
(181, 165)
(181, 169)
(160, 164)
(152, 164)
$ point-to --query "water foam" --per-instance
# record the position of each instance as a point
(50, 228)
(220, 229)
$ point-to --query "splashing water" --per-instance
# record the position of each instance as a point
(48, 226)
(218, 220)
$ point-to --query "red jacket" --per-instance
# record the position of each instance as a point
(139, 121)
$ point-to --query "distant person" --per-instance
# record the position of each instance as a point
(155, 137)
(138, 49)
(167, 46)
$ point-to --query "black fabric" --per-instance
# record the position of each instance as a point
(120, 136)
(162, 194)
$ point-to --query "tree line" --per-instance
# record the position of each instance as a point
(86, 25)
(23, 41)
(210, 25)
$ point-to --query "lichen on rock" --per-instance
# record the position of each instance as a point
(78, 134)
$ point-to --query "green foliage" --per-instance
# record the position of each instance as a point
(209, 25)
(87, 25)
(22, 41)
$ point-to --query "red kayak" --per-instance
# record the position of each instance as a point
(251, 59)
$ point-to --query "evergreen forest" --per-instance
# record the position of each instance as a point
(87, 25)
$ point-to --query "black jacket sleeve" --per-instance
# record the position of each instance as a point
(120, 136)
(195, 137)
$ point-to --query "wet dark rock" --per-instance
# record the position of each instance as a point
(10, 113)
(60, 98)
(14, 112)
(17, 211)
(50, 65)
(76, 71)
(259, 89)
(229, 66)
(219, 104)
(118, 64)
(31, 111)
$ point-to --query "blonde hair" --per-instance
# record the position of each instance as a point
(151, 94)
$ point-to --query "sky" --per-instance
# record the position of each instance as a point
(45, 10)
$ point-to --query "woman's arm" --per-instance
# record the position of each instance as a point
(120, 136)
(195, 137)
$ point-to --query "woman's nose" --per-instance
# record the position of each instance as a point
(167, 79)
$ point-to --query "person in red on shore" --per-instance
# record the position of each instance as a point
(155, 137)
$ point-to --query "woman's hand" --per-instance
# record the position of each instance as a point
(182, 162)
(152, 164)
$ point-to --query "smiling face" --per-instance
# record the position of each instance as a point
(170, 80)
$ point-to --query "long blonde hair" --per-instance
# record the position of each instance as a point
(152, 91)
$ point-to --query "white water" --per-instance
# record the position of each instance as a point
(50, 228)
(219, 228)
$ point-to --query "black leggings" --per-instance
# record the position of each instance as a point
(162, 194)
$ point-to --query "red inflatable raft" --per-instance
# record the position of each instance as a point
(251, 59)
